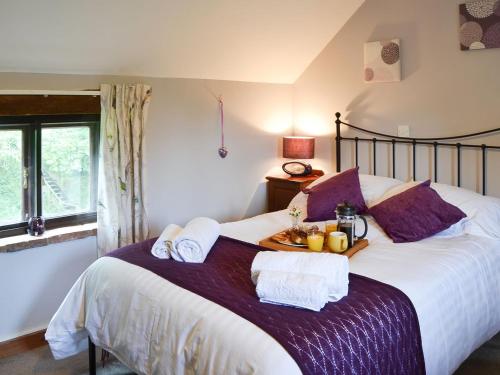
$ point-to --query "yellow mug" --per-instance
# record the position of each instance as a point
(337, 242)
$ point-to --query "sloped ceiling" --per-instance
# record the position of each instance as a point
(242, 40)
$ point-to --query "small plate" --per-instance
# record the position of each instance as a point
(284, 239)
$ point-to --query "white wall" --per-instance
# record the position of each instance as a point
(184, 176)
(34, 282)
(444, 91)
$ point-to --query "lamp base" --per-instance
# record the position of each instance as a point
(297, 168)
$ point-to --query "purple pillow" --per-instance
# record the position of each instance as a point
(323, 198)
(415, 214)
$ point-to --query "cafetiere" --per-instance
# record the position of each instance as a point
(346, 219)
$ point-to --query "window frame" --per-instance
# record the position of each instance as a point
(31, 126)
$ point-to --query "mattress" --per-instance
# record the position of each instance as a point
(154, 326)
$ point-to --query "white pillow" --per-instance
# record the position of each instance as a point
(395, 190)
(482, 211)
(372, 188)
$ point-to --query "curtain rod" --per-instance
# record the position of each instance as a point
(51, 92)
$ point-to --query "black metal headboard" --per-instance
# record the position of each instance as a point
(434, 142)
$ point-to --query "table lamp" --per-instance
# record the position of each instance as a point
(298, 148)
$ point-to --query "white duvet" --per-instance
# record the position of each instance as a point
(156, 327)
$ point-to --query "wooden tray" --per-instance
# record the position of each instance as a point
(273, 245)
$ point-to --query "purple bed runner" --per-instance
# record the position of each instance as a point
(373, 330)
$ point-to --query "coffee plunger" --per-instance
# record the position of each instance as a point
(346, 218)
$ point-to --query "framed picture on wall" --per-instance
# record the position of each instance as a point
(382, 61)
(479, 24)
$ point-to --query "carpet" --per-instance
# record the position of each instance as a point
(484, 361)
(40, 361)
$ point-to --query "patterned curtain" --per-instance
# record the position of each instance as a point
(121, 218)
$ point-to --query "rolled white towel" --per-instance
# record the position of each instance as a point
(194, 242)
(292, 289)
(333, 267)
(161, 247)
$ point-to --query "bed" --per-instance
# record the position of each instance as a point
(155, 326)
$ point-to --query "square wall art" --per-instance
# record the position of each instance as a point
(382, 61)
(480, 24)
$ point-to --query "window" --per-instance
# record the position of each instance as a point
(48, 167)
(11, 176)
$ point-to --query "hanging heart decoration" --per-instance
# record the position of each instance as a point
(222, 152)
(222, 149)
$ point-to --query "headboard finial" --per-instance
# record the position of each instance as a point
(338, 138)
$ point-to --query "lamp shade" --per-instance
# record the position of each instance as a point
(298, 147)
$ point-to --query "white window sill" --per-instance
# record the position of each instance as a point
(52, 236)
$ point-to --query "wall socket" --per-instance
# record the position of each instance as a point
(404, 131)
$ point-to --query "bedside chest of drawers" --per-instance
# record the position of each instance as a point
(281, 190)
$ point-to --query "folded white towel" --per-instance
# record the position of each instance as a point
(194, 242)
(292, 289)
(161, 248)
(333, 267)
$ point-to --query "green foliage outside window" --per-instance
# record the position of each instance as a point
(11, 170)
(65, 170)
